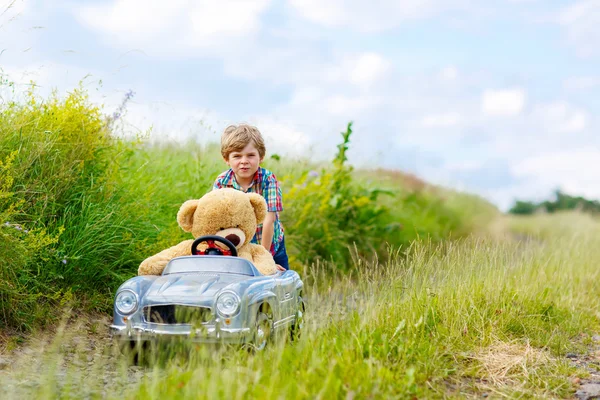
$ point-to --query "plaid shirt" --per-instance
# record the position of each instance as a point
(264, 183)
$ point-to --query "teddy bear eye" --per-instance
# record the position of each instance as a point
(221, 229)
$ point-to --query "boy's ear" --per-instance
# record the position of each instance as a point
(185, 215)
(260, 206)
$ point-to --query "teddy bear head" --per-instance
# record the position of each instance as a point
(228, 213)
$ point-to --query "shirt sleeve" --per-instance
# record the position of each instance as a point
(272, 194)
(217, 184)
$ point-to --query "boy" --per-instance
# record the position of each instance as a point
(243, 149)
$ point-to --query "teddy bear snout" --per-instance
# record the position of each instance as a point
(234, 235)
(233, 238)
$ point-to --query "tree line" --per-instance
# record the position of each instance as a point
(561, 202)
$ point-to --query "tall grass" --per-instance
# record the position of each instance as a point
(461, 319)
(82, 207)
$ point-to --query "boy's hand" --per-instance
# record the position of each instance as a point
(279, 267)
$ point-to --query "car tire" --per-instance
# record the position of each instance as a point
(262, 331)
(298, 324)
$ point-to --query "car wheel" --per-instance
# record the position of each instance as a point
(298, 325)
(262, 331)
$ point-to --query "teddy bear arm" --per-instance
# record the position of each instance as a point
(154, 265)
(263, 260)
(246, 253)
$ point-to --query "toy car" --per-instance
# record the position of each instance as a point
(212, 296)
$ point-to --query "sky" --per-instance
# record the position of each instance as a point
(497, 98)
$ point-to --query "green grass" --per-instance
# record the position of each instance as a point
(413, 290)
(80, 207)
(459, 319)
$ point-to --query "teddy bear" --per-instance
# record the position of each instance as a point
(228, 213)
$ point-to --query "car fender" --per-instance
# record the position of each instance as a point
(266, 296)
(138, 284)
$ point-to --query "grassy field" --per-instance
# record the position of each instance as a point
(81, 206)
(480, 316)
(414, 291)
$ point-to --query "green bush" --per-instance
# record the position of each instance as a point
(20, 292)
(62, 221)
(330, 214)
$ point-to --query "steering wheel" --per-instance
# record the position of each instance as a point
(212, 249)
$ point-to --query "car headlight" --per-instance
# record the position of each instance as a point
(126, 302)
(228, 304)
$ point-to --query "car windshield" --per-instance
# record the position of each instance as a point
(214, 264)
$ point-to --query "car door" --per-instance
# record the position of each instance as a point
(285, 287)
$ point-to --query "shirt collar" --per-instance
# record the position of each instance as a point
(237, 186)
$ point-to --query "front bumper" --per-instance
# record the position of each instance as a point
(205, 334)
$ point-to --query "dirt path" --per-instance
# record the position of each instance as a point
(77, 358)
(590, 362)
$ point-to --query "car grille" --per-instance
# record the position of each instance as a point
(177, 314)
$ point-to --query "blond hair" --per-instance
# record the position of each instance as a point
(236, 137)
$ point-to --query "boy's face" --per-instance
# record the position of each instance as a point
(245, 162)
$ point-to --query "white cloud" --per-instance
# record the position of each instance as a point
(503, 103)
(137, 18)
(283, 137)
(369, 68)
(581, 21)
(230, 17)
(442, 120)
(561, 117)
(307, 70)
(349, 106)
(576, 171)
(173, 26)
(375, 15)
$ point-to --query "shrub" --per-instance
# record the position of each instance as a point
(60, 207)
(20, 292)
(331, 214)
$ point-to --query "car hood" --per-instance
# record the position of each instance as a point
(189, 286)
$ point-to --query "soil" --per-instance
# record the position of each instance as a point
(77, 357)
(590, 361)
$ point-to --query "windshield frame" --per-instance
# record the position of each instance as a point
(210, 264)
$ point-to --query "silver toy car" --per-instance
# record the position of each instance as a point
(209, 297)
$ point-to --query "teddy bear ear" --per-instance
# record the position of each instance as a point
(185, 215)
(260, 206)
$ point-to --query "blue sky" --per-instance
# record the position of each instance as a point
(498, 98)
